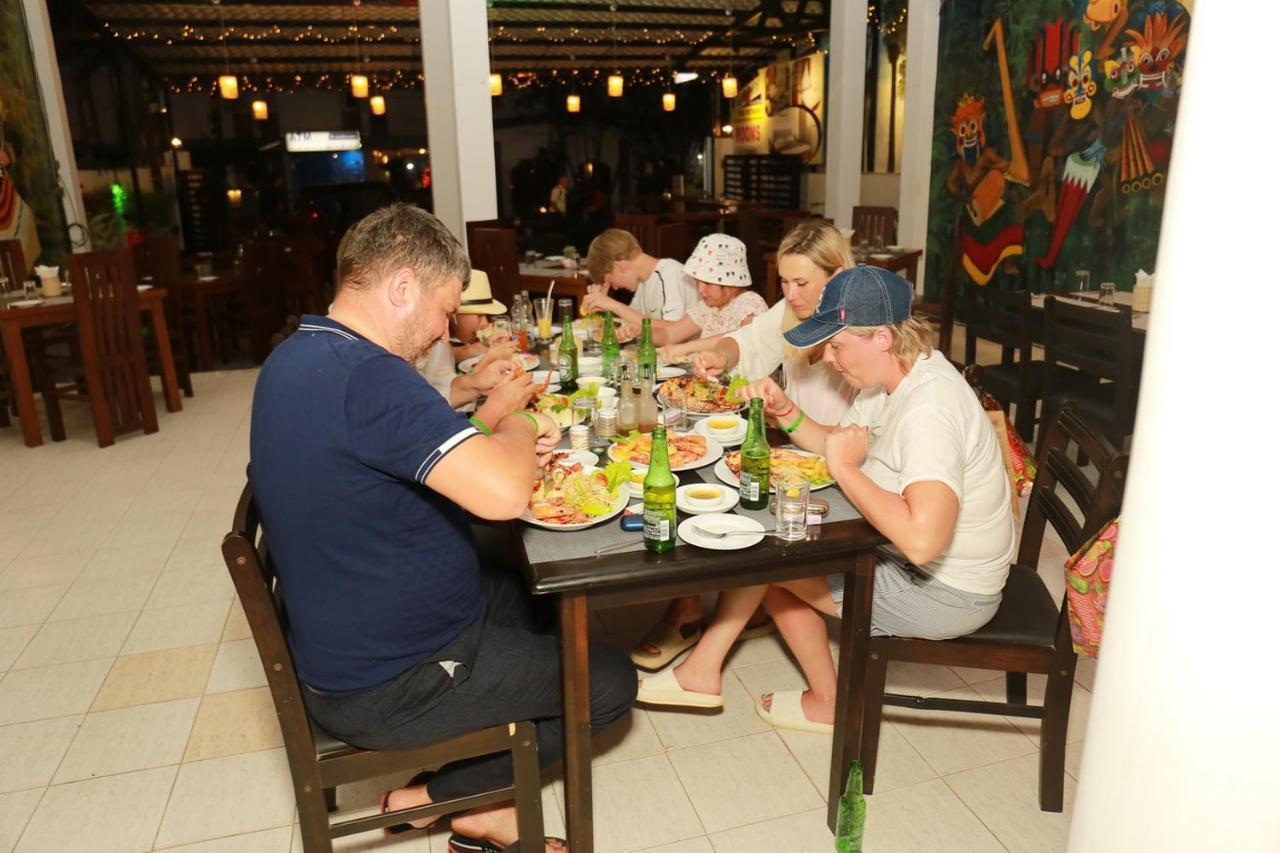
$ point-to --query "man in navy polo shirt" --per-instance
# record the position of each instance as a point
(365, 477)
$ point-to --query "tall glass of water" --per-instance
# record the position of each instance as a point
(792, 506)
(1082, 281)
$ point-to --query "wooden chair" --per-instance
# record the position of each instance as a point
(496, 251)
(1029, 633)
(263, 294)
(306, 282)
(159, 258)
(290, 326)
(1005, 318)
(13, 268)
(673, 241)
(643, 225)
(113, 366)
(319, 763)
(1100, 344)
(875, 225)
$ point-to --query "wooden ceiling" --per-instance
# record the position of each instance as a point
(293, 45)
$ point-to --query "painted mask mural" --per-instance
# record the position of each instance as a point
(1080, 89)
(968, 125)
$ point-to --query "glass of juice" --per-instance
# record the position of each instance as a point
(542, 309)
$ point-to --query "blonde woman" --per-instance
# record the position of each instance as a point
(725, 301)
(918, 458)
(809, 255)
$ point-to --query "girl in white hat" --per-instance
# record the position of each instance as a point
(725, 299)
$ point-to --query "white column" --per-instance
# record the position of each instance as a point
(55, 111)
(1183, 750)
(917, 127)
(846, 94)
(455, 54)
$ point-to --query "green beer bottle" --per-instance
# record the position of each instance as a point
(645, 351)
(659, 497)
(753, 483)
(609, 348)
(568, 358)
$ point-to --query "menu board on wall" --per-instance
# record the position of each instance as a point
(782, 110)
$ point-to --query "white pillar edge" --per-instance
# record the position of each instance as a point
(1182, 748)
(846, 86)
(455, 58)
(49, 79)
(917, 128)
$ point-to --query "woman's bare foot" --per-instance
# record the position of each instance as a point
(680, 612)
(497, 825)
(407, 798)
(699, 682)
(815, 710)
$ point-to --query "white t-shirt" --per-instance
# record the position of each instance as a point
(439, 370)
(932, 428)
(668, 294)
(817, 389)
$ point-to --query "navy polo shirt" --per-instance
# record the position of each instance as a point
(377, 571)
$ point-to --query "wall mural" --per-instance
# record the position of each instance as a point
(1053, 128)
(29, 207)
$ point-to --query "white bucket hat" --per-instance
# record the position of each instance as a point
(720, 259)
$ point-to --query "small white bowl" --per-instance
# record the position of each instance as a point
(605, 394)
(597, 382)
(590, 365)
(715, 495)
(716, 430)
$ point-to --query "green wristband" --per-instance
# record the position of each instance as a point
(537, 427)
(794, 424)
(480, 425)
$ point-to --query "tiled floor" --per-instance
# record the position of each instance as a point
(133, 714)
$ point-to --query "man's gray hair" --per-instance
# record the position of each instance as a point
(397, 237)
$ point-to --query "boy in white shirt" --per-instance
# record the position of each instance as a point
(663, 290)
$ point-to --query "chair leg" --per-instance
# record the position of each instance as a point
(528, 782)
(1053, 733)
(1015, 688)
(331, 799)
(313, 819)
(877, 670)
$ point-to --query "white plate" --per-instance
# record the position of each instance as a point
(144, 287)
(207, 278)
(540, 376)
(701, 428)
(620, 501)
(569, 457)
(554, 258)
(721, 522)
(26, 303)
(723, 472)
(665, 373)
(715, 450)
(527, 360)
(881, 256)
(728, 500)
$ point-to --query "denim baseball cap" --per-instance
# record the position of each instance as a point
(858, 296)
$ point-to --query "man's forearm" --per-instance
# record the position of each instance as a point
(463, 390)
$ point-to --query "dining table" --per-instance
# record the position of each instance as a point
(1093, 299)
(905, 262)
(61, 310)
(536, 275)
(605, 566)
(201, 292)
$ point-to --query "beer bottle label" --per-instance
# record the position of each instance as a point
(748, 487)
(657, 526)
(566, 366)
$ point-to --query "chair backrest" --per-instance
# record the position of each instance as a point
(160, 257)
(673, 241)
(875, 224)
(496, 252)
(1084, 503)
(772, 287)
(110, 329)
(245, 551)
(1099, 342)
(263, 289)
(13, 264)
(643, 225)
(1002, 317)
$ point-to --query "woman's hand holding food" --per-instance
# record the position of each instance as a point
(709, 364)
(777, 404)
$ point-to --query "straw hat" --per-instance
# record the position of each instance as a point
(477, 296)
(720, 259)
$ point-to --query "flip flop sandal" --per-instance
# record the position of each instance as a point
(396, 828)
(669, 640)
(785, 712)
(464, 844)
(664, 689)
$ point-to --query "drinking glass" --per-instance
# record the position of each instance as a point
(583, 410)
(1107, 293)
(1082, 281)
(792, 506)
(542, 310)
(564, 308)
(674, 418)
(501, 329)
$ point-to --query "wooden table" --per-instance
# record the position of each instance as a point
(60, 311)
(199, 292)
(1089, 299)
(536, 277)
(905, 262)
(580, 580)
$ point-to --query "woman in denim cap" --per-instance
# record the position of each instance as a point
(919, 459)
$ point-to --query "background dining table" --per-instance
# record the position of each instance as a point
(61, 310)
(565, 564)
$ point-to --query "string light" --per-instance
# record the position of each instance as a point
(669, 102)
(729, 83)
(615, 79)
(573, 104)
(378, 105)
(260, 111)
(359, 82)
(227, 84)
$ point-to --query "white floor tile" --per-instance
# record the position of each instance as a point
(1077, 722)
(629, 738)
(693, 845)
(91, 638)
(193, 625)
(680, 729)
(253, 792)
(29, 606)
(639, 804)
(15, 810)
(743, 781)
(30, 752)
(925, 818)
(128, 739)
(13, 641)
(236, 667)
(801, 833)
(268, 841)
(951, 742)
(50, 691)
(178, 587)
(46, 570)
(118, 813)
(98, 596)
(1005, 797)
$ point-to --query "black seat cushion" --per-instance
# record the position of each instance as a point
(1028, 615)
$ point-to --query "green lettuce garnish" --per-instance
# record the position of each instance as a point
(617, 474)
(736, 384)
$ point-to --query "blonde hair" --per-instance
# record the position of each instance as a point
(611, 246)
(912, 338)
(828, 250)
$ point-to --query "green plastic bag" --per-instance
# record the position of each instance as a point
(852, 817)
